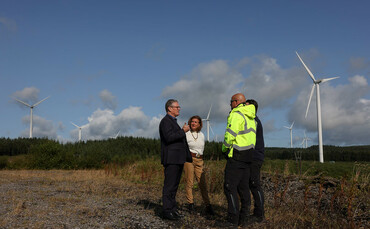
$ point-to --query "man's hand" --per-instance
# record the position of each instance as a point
(186, 127)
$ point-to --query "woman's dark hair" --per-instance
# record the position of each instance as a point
(200, 122)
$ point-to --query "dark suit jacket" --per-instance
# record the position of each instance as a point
(174, 147)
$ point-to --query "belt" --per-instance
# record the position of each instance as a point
(195, 155)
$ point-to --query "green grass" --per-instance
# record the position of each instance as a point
(314, 168)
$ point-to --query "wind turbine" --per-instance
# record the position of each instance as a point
(117, 134)
(31, 115)
(207, 120)
(305, 139)
(79, 131)
(316, 83)
(291, 134)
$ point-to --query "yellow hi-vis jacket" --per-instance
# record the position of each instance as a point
(240, 134)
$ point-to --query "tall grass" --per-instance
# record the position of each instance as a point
(325, 195)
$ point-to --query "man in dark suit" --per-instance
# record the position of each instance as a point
(174, 153)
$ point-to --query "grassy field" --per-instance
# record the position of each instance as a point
(329, 195)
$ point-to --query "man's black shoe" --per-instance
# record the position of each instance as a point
(170, 216)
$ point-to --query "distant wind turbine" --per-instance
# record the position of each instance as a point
(79, 131)
(31, 116)
(207, 120)
(291, 134)
(316, 83)
(305, 139)
(117, 134)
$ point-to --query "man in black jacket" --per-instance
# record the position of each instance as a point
(174, 153)
(255, 178)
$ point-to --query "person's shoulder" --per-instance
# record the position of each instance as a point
(165, 119)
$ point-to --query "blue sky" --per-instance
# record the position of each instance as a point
(110, 66)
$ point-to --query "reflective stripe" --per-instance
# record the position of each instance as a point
(227, 145)
(246, 131)
(233, 203)
(240, 148)
(231, 132)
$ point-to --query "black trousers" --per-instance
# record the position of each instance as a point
(172, 176)
(256, 189)
(236, 184)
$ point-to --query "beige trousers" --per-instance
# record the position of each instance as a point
(191, 169)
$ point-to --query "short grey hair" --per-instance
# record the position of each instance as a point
(169, 103)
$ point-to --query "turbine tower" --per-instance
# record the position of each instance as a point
(31, 115)
(207, 120)
(79, 131)
(316, 84)
(291, 134)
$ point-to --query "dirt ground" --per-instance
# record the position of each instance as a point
(93, 199)
(86, 199)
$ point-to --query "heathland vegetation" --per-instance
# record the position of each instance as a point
(300, 192)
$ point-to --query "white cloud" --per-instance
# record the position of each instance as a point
(209, 83)
(358, 81)
(129, 122)
(345, 112)
(108, 99)
(29, 95)
(41, 128)
(345, 109)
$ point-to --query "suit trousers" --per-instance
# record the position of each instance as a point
(196, 168)
(237, 183)
(172, 176)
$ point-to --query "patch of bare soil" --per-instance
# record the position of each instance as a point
(92, 199)
(84, 199)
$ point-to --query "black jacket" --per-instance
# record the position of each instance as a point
(174, 147)
(259, 153)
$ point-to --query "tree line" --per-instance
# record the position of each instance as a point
(43, 153)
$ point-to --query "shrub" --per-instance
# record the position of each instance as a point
(3, 162)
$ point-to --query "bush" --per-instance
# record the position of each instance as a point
(3, 162)
(50, 155)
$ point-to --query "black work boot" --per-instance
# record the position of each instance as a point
(256, 218)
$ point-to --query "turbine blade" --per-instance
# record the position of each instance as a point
(24, 103)
(309, 101)
(40, 101)
(75, 125)
(287, 127)
(209, 112)
(210, 127)
(307, 69)
(292, 125)
(328, 79)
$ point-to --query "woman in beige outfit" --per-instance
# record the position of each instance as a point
(195, 139)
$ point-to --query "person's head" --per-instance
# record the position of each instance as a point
(195, 123)
(172, 107)
(236, 100)
(254, 102)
